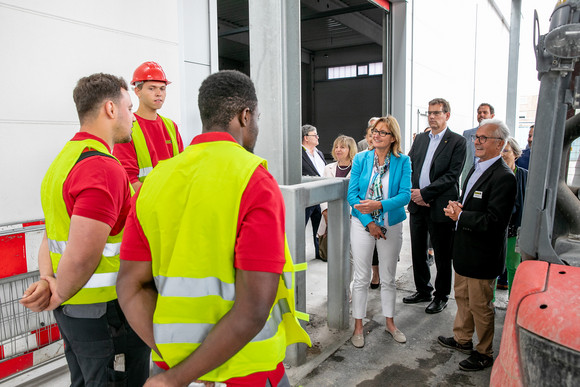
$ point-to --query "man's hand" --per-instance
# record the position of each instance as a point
(37, 296)
(376, 231)
(55, 299)
(453, 210)
(367, 206)
(162, 380)
(417, 198)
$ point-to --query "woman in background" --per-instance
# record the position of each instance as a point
(510, 154)
(343, 151)
(379, 189)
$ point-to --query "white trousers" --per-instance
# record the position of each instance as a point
(362, 245)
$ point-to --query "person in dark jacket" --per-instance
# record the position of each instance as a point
(510, 154)
(481, 218)
(313, 164)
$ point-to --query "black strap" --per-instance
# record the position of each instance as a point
(92, 153)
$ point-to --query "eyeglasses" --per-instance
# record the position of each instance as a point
(314, 135)
(435, 113)
(381, 133)
(482, 139)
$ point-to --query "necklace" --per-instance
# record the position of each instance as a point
(343, 168)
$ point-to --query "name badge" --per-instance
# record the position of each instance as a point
(478, 194)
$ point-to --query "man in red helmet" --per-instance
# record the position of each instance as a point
(155, 138)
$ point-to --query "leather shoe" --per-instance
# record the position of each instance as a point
(436, 306)
(476, 362)
(449, 342)
(358, 340)
(416, 297)
(398, 336)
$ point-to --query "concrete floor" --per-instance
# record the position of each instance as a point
(334, 361)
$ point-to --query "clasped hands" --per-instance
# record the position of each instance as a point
(453, 210)
(42, 295)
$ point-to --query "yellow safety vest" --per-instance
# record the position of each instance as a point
(188, 209)
(101, 286)
(143, 156)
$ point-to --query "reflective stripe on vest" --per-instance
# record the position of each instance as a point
(144, 171)
(110, 250)
(194, 287)
(197, 332)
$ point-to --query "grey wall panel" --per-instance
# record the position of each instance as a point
(344, 107)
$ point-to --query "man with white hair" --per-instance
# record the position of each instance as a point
(482, 215)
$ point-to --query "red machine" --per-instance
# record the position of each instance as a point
(540, 344)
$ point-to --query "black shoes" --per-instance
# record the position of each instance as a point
(416, 297)
(449, 342)
(476, 362)
(435, 306)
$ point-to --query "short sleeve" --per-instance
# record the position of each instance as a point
(97, 188)
(261, 225)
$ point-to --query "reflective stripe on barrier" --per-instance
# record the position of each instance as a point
(197, 332)
(145, 171)
(110, 250)
(194, 287)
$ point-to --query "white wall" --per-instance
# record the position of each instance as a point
(47, 46)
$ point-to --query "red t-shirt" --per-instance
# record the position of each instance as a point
(97, 188)
(259, 242)
(158, 143)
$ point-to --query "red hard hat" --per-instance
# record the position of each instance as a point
(149, 71)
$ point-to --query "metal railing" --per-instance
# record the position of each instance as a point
(21, 330)
(297, 197)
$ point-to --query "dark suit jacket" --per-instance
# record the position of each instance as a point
(445, 170)
(308, 169)
(480, 239)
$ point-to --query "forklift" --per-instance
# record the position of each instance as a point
(540, 345)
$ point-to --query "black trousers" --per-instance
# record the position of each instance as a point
(313, 213)
(91, 345)
(441, 234)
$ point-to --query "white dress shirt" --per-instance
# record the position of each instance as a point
(434, 141)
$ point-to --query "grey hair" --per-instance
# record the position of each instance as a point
(372, 119)
(501, 130)
(515, 147)
(307, 129)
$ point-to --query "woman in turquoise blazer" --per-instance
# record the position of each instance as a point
(379, 189)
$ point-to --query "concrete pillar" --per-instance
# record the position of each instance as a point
(513, 61)
(275, 69)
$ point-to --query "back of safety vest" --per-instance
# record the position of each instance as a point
(188, 209)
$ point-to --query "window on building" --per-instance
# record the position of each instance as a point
(352, 71)
(342, 72)
(376, 68)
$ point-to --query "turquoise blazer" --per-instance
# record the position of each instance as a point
(399, 186)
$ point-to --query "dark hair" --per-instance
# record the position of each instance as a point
(491, 109)
(443, 102)
(90, 92)
(224, 94)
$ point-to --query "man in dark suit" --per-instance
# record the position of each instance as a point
(312, 165)
(484, 111)
(479, 245)
(437, 158)
(524, 160)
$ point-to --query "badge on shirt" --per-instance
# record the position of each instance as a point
(478, 194)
